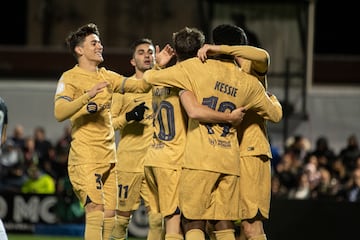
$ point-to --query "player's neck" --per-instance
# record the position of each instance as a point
(90, 66)
(139, 73)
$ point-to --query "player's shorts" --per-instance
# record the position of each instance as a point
(96, 181)
(163, 187)
(132, 187)
(255, 186)
(209, 195)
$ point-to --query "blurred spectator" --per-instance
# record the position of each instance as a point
(287, 170)
(357, 162)
(278, 191)
(299, 145)
(30, 154)
(14, 179)
(45, 151)
(11, 154)
(38, 182)
(12, 174)
(340, 172)
(63, 143)
(311, 168)
(302, 190)
(352, 194)
(328, 188)
(323, 152)
(62, 149)
(350, 153)
(18, 136)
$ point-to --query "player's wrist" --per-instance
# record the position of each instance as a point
(157, 66)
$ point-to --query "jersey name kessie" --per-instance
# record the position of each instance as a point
(225, 88)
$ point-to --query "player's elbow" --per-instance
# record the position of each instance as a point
(278, 116)
(59, 117)
(277, 119)
(192, 114)
(59, 114)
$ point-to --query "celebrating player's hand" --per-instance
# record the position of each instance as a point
(237, 116)
(97, 88)
(164, 56)
(207, 49)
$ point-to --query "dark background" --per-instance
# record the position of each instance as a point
(335, 26)
(13, 20)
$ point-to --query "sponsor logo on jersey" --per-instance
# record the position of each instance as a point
(92, 107)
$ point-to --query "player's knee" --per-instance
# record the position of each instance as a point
(155, 220)
(252, 229)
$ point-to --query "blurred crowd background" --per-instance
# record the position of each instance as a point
(33, 164)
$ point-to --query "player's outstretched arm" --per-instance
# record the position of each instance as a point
(259, 57)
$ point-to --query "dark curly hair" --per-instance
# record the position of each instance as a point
(187, 42)
(76, 38)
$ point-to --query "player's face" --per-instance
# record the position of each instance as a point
(144, 57)
(92, 49)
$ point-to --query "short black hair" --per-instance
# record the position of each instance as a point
(229, 34)
(139, 42)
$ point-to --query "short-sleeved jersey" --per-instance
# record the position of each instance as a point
(170, 122)
(135, 137)
(221, 86)
(93, 138)
(3, 116)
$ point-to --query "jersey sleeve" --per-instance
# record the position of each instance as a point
(65, 106)
(122, 84)
(132, 85)
(259, 57)
(173, 76)
(118, 110)
(259, 101)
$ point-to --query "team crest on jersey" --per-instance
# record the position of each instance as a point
(91, 107)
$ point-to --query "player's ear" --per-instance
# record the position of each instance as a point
(79, 50)
(132, 62)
